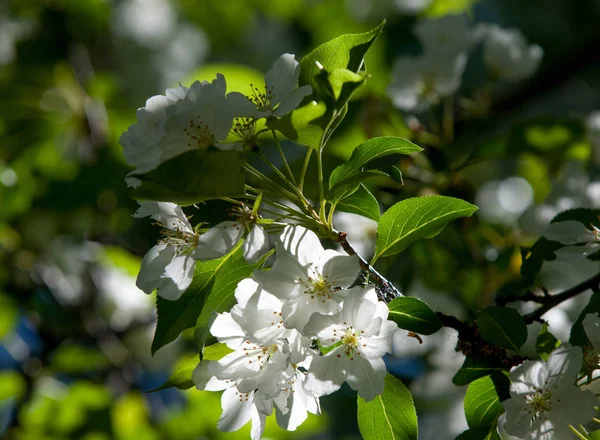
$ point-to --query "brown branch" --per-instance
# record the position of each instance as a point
(548, 302)
(386, 290)
(528, 296)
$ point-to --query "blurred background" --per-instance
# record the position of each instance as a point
(75, 331)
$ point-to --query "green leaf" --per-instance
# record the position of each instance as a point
(480, 433)
(302, 125)
(344, 83)
(578, 335)
(545, 342)
(181, 377)
(76, 358)
(344, 52)
(502, 326)
(595, 435)
(194, 176)
(361, 202)
(369, 151)
(9, 314)
(349, 185)
(474, 368)
(211, 291)
(391, 415)
(482, 403)
(412, 314)
(416, 219)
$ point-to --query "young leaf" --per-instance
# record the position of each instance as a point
(349, 185)
(302, 125)
(391, 415)
(545, 342)
(369, 151)
(502, 326)
(482, 403)
(344, 52)
(181, 377)
(416, 219)
(211, 291)
(194, 176)
(474, 368)
(361, 202)
(412, 314)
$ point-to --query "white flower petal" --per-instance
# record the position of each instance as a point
(591, 325)
(569, 232)
(292, 101)
(564, 364)
(177, 277)
(302, 243)
(365, 376)
(153, 265)
(237, 409)
(282, 78)
(256, 244)
(218, 240)
(228, 331)
(341, 270)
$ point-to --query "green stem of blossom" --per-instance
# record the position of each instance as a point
(283, 158)
(322, 200)
(304, 168)
(578, 434)
(282, 192)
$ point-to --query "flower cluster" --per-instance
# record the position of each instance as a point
(298, 332)
(205, 115)
(545, 399)
(418, 82)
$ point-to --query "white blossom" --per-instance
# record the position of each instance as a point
(222, 238)
(364, 336)
(418, 82)
(281, 93)
(544, 400)
(411, 7)
(306, 277)
(591, 326)
(183, 120)
(581, 241)
(446, 36)
(168, 266)
(507, 54)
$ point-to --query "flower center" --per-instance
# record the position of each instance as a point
(262, 100)
(258, 355)
(591, 358)
(198, 133)
(350, 338)
(317, 286)
(245, 129)
(184, 241)
(539, 402)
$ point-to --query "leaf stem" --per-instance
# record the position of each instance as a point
(320, 183)
(277, 188)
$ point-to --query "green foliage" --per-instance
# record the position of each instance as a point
(361, 202)
(545, 342)
(391, 415)
(334, 70)
(412, 314)
(211, 292)
(475, 368)
(345, 178)
(482, 402)
(480, 433)
(502, 326)
(75, 358)
(417, 219)
(344, 52)
(194, 176)
(9, 315)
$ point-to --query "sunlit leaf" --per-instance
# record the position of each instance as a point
(412, 314)
(391, 415)
(417, 219)
(361, 202)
